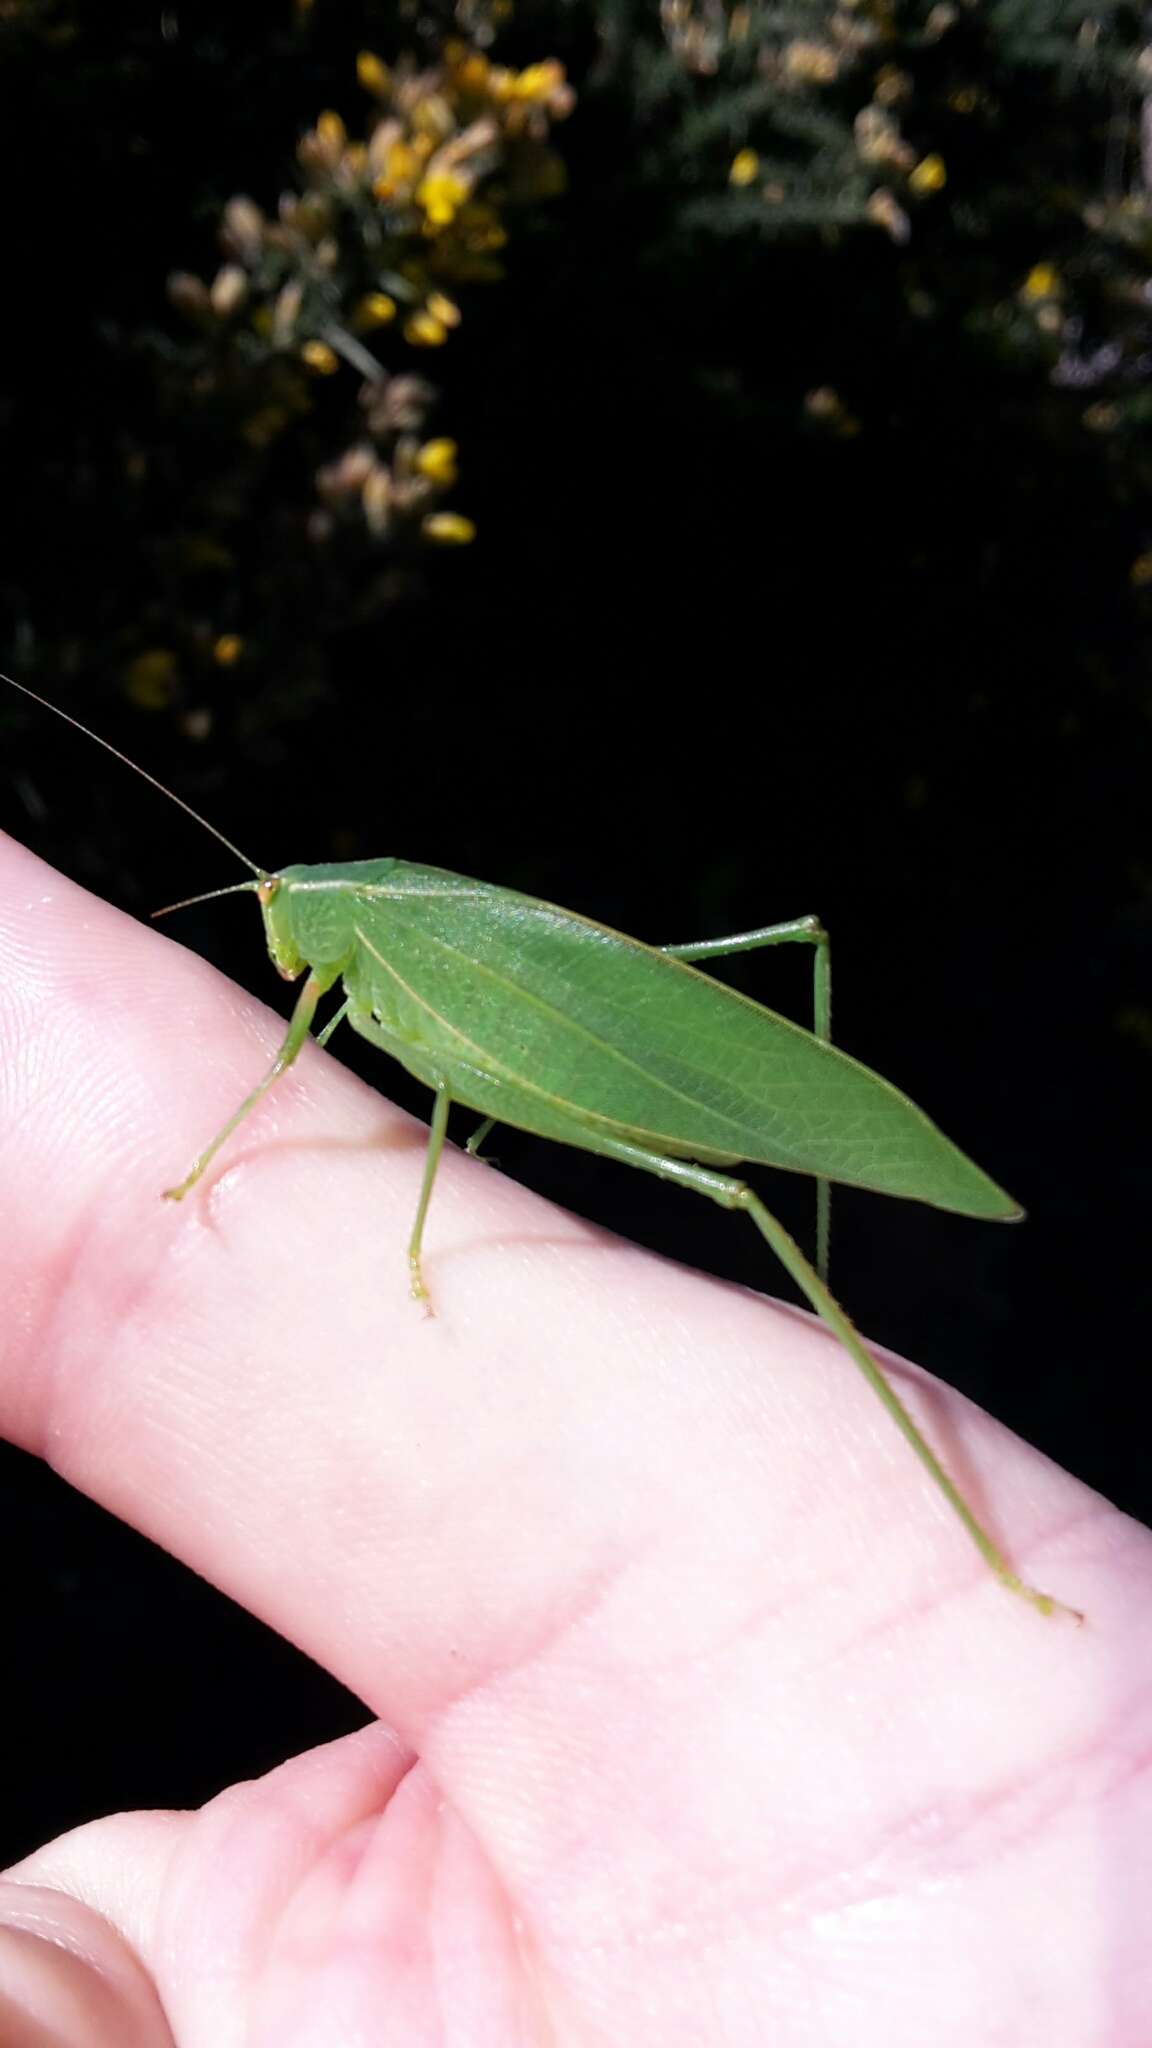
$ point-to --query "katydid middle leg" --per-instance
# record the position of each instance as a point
(322, 1037)
(807, 931)
(479, 1135)
(735, 1194)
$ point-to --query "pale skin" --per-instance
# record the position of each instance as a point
(699, 1719)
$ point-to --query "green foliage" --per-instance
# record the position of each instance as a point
(999, 147)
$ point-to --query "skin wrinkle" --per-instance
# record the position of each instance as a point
(355, 1838)
(796, 1901)
(919, 1607)
(946, 1843)
(288, 1836)
(581, 1602)
(82, 1272)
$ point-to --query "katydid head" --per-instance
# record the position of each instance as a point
(274, 897)
(272, 892)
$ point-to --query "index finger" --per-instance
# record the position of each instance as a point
(246, 1380)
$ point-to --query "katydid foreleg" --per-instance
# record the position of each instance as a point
(437, 1132)
(299, 1027)
(735, 1194)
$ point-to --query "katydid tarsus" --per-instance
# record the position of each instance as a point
(540, 1019)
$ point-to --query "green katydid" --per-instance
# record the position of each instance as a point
(541, 1019)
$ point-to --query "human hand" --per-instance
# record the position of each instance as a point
(700, 1722)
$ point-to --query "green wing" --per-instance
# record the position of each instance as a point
(600, 1027)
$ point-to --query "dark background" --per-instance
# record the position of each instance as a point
(705, 666)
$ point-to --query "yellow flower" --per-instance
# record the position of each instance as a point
(376, 309)
(929, 175)
(745, 168)
(373, 74)
(401, 168)
(424, 331)
(441, 194)
(320, 357)
(151, 678)
(451, 527)
(1042, 282)
(472, 75)
(432, 117)
(331, 130)
(1141, 571)
(228, 649)
(444, 309)
(437, 460)
(539, 81)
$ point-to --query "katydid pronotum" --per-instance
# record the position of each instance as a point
(540, 1019)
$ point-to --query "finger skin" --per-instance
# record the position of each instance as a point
(714, 1727)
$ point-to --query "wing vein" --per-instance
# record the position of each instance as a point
(487, 1059)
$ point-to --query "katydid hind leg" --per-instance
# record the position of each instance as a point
(300, 1024)
(437, 1132)
(735, 1194)
(805, 931)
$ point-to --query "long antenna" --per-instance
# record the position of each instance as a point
(209, 896)
(136, 769)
